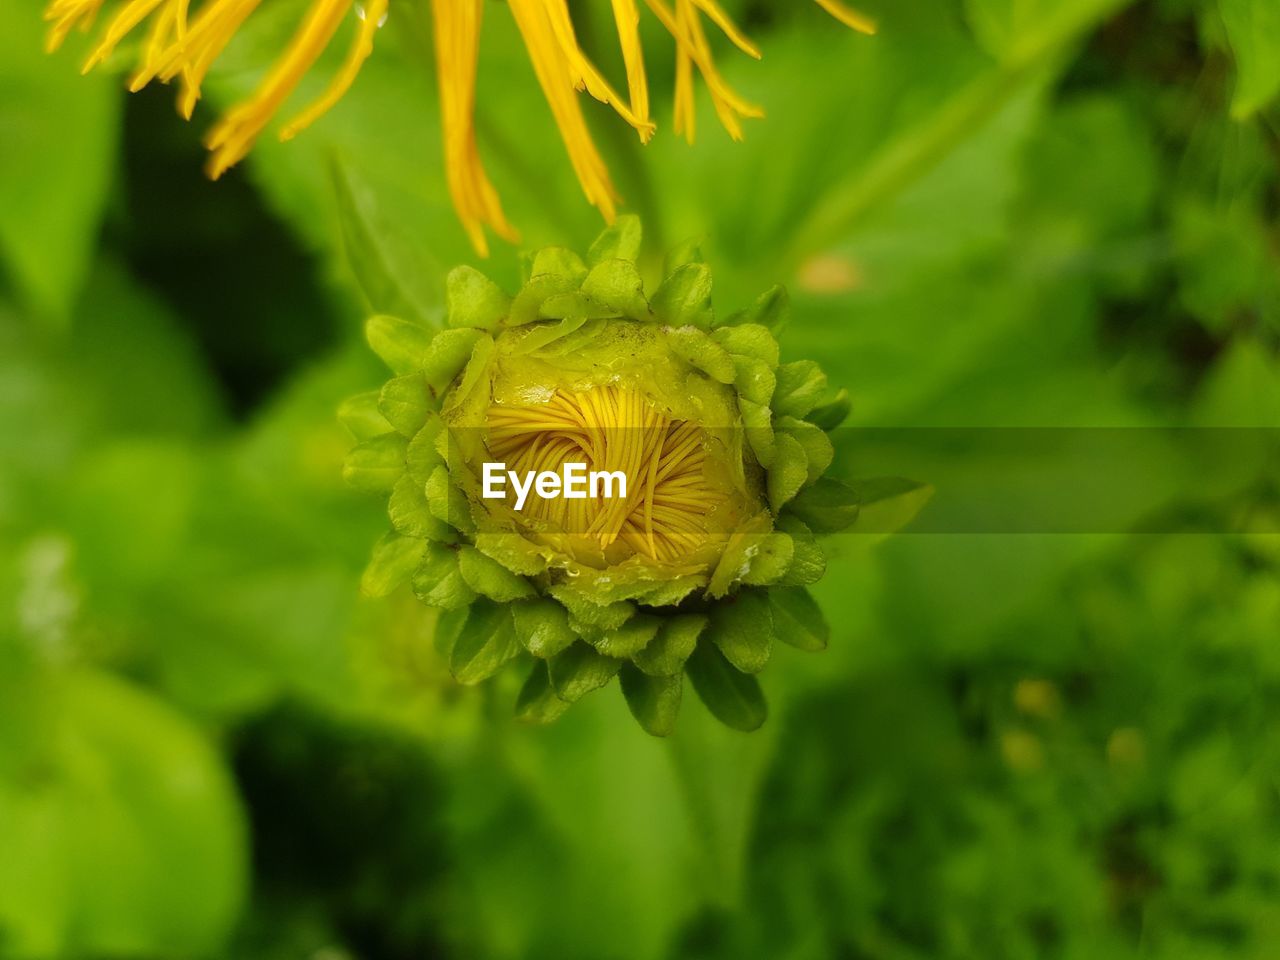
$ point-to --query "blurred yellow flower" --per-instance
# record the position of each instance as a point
(183, 46)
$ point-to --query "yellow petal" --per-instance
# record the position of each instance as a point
(130, 15)
(585, 75)
(847, 16)
(692, 48)
(557, 82)
(457, 38)
(371, 20)
(194, 50)
(686, 108)
(627, 19)
(235, 134)
(728, 27)
(64, 15)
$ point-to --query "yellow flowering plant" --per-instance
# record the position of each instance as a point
(182, 44)
(696, 567)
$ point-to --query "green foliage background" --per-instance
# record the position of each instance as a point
(997, 212)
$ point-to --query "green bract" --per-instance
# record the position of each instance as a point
(578, 609)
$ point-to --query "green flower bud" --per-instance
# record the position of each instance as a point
(696, 568)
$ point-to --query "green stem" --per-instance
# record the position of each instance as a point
(720, 772)
(914, 152)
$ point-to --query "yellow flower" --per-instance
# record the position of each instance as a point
(665, 515)
(181, 46)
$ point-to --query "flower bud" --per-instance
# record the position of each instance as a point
(602, 481)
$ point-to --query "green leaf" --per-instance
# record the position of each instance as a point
(376, 465)
(808, 563)
(669, 592)
(405, 403)
(685, 252)
(537, 702)
(666, 655)
(742, 627)
(437, 489)
(542, 627)
(620, 241)
(827, 506)
(772, 309)
(489, 578)
(797, 619)
(654, 701)
(474, 373)
(396, 272)
(527, 306)
(411, 513)
(576, 340)
(801, 386)
(684, 298)
(474, 300)
(544, 334)
(422, 455)
(123, 836)
(486, 642)
(359, 414)
(757, 420)
(512, 551)
(818, 449)
(395, 558)
(617, 285)
(438, 582)
(699, 350)
(832, 413)
(449, 624)
(602, 616)
(447, 502)
(1224, 265)
(575, 306)
(771, 560)
(579, 670)
(788, 472)
(754, 379)
(735, 560)
(748, 340)
(447, 354)
(630, 638)
(560, 262)
(734, 698)
(57, 165)
(1253, 29)
(401, 345)
(887, 504)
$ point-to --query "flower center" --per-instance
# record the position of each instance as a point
(672, 491)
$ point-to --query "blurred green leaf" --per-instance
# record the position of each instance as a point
(827, 506)
(887, 504)
(60, 132)
(1253, 29)
(126, 839)
(1019, 30)
(396, 271)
